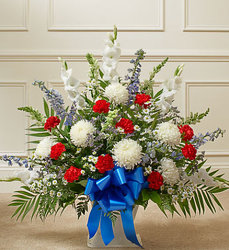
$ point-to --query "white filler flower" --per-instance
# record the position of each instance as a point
(80, 131)
(127, 153)
(117, 93)
(169, 171)
(168, 133)
(44, 148)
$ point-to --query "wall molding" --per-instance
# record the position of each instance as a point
(24, 26)
(201, 83)
(15, 84)
(187, 27)
(53, 27)
(80, 57)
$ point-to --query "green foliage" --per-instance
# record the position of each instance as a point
(81, 205)
(157, 69)
(113, 215)
(34, 114)
(25, 201)
(195, 118)
(148, 84)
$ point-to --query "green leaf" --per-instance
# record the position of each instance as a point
(192, 202)
(46, 108)
(217, 201)
(207, 202)
(21, 196)
(17, 210)
(155, 197)
(52, 112)
(158, 93)
(39, 134)
(218, 190)
(36, 129)
(201, 200)
(25, 193)
(36, 206)
(210, 201)
(83, 183)
(197, 202)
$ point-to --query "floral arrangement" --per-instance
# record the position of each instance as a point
(120, 144)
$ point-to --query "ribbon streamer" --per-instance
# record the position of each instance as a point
(117, 190)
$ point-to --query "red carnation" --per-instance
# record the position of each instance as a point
(51, 122)
(186, 131)
(104, 163)
(57, 150)
(72, 174)
(126, 124)
(155, 180)
(141, 99)
(101, 106)
(189, 151)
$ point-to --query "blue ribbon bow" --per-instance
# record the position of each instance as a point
(117, 190)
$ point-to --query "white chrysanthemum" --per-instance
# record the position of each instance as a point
(168, 133)
(44, 147)
(127, 153)
(169, 171)
(117, 93)
(80, 131)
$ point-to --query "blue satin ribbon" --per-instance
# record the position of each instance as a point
(117, 190)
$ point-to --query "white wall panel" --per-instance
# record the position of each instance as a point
(206, 15)
(201, 95)
(13, 123)
(14, 15)
(87, 15)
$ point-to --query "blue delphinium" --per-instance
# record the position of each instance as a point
(19, 161)
(201, 139)
(133, 87)
(54, 98)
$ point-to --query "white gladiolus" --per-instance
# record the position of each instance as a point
(202, 177)
(168, 133)
(169, 171)
(44, 148)
(27, 176)
(170, 88)
(111, 56)
(117, 93)
(127, 153)
(71, 85)
(80, 132)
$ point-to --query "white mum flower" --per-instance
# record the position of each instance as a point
(80, 131)
(168, 133)
(127, 153)
(117, 93)
(44, 147)
(169, 171)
